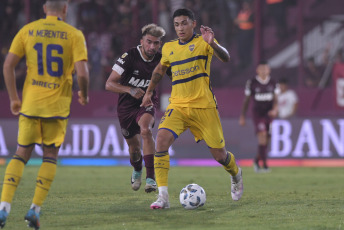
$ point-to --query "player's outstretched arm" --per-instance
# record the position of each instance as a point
(10, 63)
(274, 111)
(157, 75)
(242, 119)
(208, 36)
(83, 81)
(112, 84)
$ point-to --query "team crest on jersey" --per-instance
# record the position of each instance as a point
(192, 47)
(125, 132)
(124, 55)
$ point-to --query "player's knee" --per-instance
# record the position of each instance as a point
(220, 155)
(146, 133)
(163, 143)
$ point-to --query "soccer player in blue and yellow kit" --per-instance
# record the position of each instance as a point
(52, 48)
(192, 102)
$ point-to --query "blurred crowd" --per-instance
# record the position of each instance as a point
(113, 26)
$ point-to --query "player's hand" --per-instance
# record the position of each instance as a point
(15, 106)
(82, 99)
(207, 34)
(137, 92)
(273, 113)
(147, 100)
(242, 121)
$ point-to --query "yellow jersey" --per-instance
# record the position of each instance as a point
(190, 67)
(51, 48)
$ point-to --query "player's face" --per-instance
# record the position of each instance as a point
(184, 27)
(263, 71)
(283, 87)
(150, 46)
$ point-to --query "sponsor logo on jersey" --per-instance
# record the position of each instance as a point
(124, 55)
(120, 60)
(185, 71)
(192, 47)
(264, 96)
(143, 83)
(136, 72)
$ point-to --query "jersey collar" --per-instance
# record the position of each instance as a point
(51, 17)
(263, 82)
(138, 48)
(184, 43)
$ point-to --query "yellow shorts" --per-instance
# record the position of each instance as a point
(49, 132)
(204, 124)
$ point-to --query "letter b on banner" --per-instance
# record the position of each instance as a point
(281, 143)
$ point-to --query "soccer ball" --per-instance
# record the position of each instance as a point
(192, 196)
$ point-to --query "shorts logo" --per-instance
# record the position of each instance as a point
(192, 47)
(125, 132)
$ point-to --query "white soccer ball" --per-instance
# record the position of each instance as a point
(192, 196)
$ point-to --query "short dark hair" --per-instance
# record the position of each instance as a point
(283, 80)
(263, 62)
(184, 12)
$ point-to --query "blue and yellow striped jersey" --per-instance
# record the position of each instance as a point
(51, 48)
(190, 66)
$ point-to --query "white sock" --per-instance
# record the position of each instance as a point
(6, 206)
(36, 208)
(163, 191)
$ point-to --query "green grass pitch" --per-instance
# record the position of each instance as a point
(101, 198)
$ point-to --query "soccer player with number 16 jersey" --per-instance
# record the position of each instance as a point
(52, 48)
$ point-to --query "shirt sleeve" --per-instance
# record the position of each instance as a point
(79, 50)
(164, 58)
(295, 98)
(17, 46)
(123, 63)
(248, 88)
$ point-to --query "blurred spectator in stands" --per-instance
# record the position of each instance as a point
(94, 60)
(287, 100)
(176, 4)
(165, 18)
(92, 16)
(72, 18)
(339, 56)
(313, 73)
(233, 8)
(3, 53)
(36, 10)
(277, 10)
(244, 22)
(9, 20)
(125, 23)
